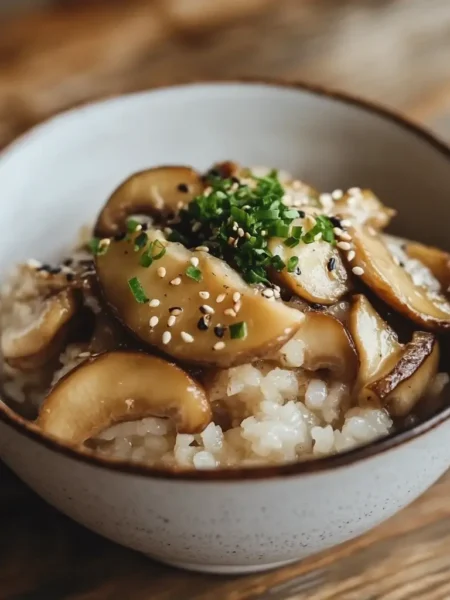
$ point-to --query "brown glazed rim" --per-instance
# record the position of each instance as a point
(257, 473)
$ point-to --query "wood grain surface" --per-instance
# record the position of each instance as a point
(394, 51)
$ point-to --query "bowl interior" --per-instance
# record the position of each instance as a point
(55, 179)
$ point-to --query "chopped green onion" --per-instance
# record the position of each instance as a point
(145, 260)
(291, 242)
(140, 241)
(160, 254)
(296, 232)
(96, 247)
(292, 263)
(279, 230)
(194, 273)
(132, 225)
(137, 290)
(290, 214)
(267, 215)
(238, 331)
(277, 263)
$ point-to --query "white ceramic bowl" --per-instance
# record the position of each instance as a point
(55, 179)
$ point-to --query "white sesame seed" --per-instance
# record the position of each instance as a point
(176, 281)
(220, 298)
(236, 242)
(208, 309)
(33, 263)
(337, 194)
(237, 307)
(277, 294)
(229, 312)
(153, 321)
(236, 297)
(351, 255)
(354, 191)
(186, 337)
(176, 311)
(240, 232)
(326, 200)
(346, 223)
(194, 261)
(171, 321)
(84, 355)
(166, 337)
(268, 293)
(246, 207)
(196, 226)
(154, 303)
(358, 271)
(235, 226)
(219, 346)
(344, 245)
(247, 235)
(161, 272)
(277, 287)
(202, 248)
(263, 232)
(231, 240)
(337, 231)
(204, 295)
(168, 230)
(318, 236)
(345, 236)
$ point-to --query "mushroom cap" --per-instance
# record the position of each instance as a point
(37, 330)
(312, 280)
(122, 386)
(154, 192)
(269, 323)
(394, 285)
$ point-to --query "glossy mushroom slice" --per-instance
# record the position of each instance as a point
(320, 275)
(322, 342)
(36, 330)
(158, 192)
(363, 207)
(394, 285)
(401, 388)
(436, 260)
(122, 386)
(203, 314)
(390, 374)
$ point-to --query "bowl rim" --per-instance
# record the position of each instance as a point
(309, 467)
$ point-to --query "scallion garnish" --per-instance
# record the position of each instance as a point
(194, 273)
(292, 263)
(140, 241)
(291, 242)
(238, 331)
(145, 260)
(137, 290)
(157, 244)
(132, 225)
(97, 246)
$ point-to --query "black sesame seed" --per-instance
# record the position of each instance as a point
(144, 226)
(182, 187)
(298, 271)
(336, 222)
(331, 264)
(203, 323)
(317, 306)
(219, 331)
(301, 214)
(202, 310)
(68, 262)
(70, 277)
(119, 237)
(401, 264)
(55, 270)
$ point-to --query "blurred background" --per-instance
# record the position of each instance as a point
(55, 54)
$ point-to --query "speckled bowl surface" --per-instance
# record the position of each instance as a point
(54, 180)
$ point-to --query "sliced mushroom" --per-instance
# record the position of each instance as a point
(158, 192)
(394, 285)
(364, 208)
(325, 344)
(401, 388)
(122, 386)
(376, 343)
(320, 275)
(185, 320)
(390, 374)
(37, 329)
(436, 260)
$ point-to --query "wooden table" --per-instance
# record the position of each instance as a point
(393, 51)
